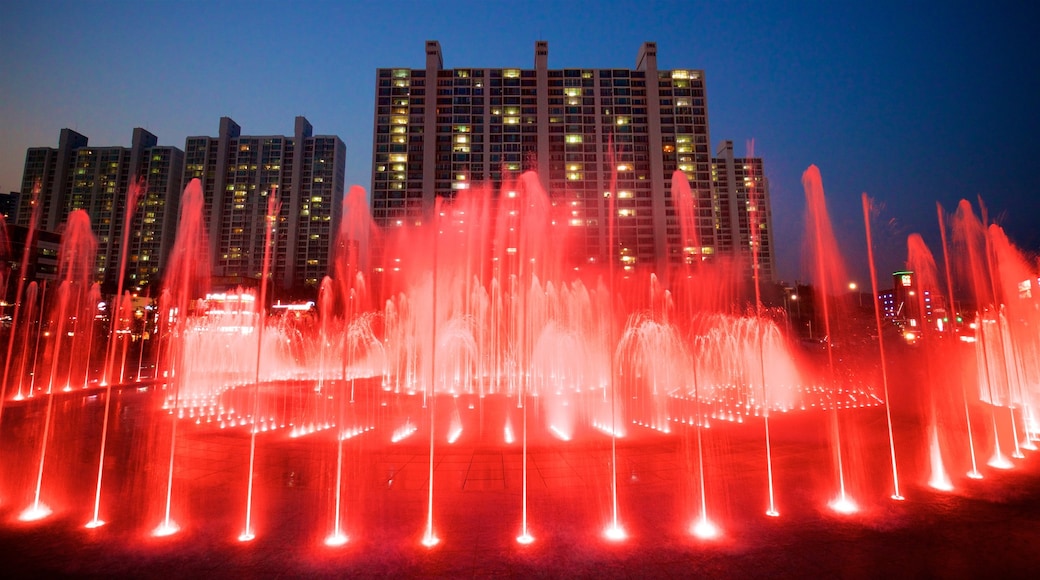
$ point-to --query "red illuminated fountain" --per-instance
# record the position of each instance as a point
(476, 332)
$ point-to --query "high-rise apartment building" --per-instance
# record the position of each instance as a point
(437, 131)
(742, 211)
(239, 172)
(96, 179)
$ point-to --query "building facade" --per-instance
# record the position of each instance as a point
(96, 179)
(742, 212)
(239, 172)
(591, 135)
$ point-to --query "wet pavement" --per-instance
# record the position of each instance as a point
(983, 529)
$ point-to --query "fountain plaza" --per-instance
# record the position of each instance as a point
(487, 412)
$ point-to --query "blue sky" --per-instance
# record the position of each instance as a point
(911, 102)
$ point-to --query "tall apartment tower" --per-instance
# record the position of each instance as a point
(239, 172)
(743, 214)
(96, 179)
(438, 130)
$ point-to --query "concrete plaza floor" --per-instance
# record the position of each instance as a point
(987, 528)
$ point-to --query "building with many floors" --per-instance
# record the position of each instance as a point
(77, 176)
(591, 134)
(238, 173)
(741, 209)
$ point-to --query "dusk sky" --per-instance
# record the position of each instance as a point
(911, 102)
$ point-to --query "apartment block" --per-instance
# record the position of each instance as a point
(238, 173)
(76, 176)
(605, 144)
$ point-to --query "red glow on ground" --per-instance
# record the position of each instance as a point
(34, 513)
(615, 533)
(940, 482)
(166, 529)
(999, 461)
(336, 539)
(705, 529)
(843, 505)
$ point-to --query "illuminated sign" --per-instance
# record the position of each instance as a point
(907, 281)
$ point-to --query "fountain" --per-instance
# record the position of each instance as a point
(475, 333)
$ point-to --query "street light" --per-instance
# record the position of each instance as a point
(859, 295)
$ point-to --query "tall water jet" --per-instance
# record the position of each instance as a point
(27, 355)
(430, 538)
(270, 218)
(754, 219)
(974, 473)
(75, 268)
(970, 237)
(922, 264)
(828, 275)
(34, 220)
(703, 527)
(137, 189)
(896, 495)
(614, 531)
(1014, 282)
(133, 193)
(187, 277)
(525, 536)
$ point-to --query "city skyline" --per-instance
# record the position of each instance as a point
(904, 108)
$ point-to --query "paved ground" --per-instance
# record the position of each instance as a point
(983, 529)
